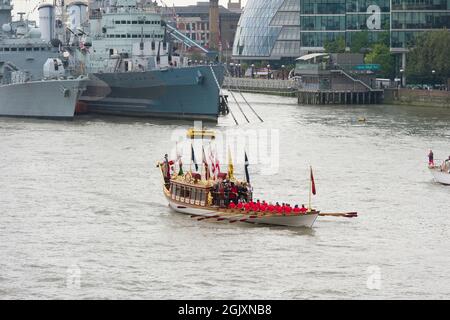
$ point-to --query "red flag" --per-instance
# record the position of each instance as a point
(313, 184)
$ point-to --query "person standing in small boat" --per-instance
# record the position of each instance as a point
(431, 158)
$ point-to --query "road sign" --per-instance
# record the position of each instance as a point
(367, 67)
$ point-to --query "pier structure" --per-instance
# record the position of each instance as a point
(336, 79)
(263, 86)
(339, 97)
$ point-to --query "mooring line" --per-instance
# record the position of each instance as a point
(239, 106)
(238, 90)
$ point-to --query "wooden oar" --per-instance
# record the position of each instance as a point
(340, 214)
(208, 217)
(255, 215)
(221, 218)
(232, 218)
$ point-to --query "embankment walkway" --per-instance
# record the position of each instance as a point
(265, 86)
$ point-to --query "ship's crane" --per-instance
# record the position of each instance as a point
(179, 36)
(175, 33)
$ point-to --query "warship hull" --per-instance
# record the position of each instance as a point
(41, 99)
(177, 93)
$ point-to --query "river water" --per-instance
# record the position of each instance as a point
(82, 214)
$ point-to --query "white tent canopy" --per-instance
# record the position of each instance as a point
(311, 56)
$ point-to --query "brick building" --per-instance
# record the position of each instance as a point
(193, 21)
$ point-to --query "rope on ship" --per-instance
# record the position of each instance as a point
(221, 93)
(243, 97)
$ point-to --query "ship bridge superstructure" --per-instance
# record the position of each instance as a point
(21, 45)
(118, 28)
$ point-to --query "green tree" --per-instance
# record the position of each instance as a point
(380, 54)
(384, 38)
(360, 40)
(335, 46)
(429, 53)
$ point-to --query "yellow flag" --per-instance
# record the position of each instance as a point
(230, 166)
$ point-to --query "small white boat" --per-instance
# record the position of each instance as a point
(441, 174)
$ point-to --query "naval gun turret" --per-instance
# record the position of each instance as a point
(54, 69)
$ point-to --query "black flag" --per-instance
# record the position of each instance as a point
(247, 176)
(193, 158)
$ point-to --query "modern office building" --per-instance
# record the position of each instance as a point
(286, 29)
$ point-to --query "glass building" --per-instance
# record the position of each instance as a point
(287, 29)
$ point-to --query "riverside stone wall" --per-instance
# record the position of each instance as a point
(432, 98)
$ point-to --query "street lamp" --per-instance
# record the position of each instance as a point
(433, 72)
(253, 70)
(282, 71)
(268, 72)
(401, 78)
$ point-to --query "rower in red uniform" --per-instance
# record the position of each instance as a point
(288, 209)
(263, 206)
(279, 210)
(296, 209)
(303, 209)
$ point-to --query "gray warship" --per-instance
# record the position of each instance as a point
(134, 69)
(34, 82)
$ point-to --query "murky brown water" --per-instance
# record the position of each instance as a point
(82, 214)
